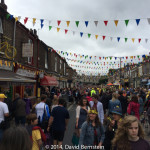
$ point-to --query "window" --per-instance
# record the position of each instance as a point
(30, 58)
(56, 64)
(29, 89)
(46, 59)
(64, 69)
(60, 65)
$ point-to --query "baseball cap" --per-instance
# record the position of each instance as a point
(2, 96)
(117, 110)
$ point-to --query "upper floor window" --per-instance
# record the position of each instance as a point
(60, 65)
(46, 59)
(56, 64)
(64, 69)
(30, 58)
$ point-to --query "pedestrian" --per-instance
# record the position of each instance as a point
(16, 138)
(58, 122)
(98, 106)
(130, 135)
(42, 111)
(133, 107)
(54, 102)
(28, 103)
(92, 131)
(34, 132)
(3, 113)
(81, 113)
(113, 103)
(19, 109)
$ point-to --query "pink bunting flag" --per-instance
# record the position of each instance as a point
(105, 22)
(25, 20)
(58, 22)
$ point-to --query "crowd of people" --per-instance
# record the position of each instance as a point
(106, 118)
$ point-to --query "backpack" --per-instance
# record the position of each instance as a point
(43, 136)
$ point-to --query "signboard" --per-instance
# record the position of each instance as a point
(27, 50)
(26, 73)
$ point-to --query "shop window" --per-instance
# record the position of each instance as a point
(29, 89)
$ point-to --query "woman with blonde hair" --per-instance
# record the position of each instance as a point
(113, 103)
(130, 135)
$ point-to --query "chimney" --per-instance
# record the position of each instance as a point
(3, 5)
(35, 32)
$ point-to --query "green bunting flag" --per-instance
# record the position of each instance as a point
(7, 16)
(77, 23)
(126, 22)
(126, 39)
(89, 35)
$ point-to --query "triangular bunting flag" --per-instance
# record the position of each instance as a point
(34, 21)
(25, 20)
(133, 40)
(66, 31)
(103, 37)
(19, 17)
(77, 23)
(16, 19)
(81, 34)
(96, 36)
(126, 39)
(146, 40)
(50, 27)
(139, 40)
(11, 16)
(68, 22)
(118, 38)
(42, 26)
(42, 20)
(126, 22)
(7, 16)
(58, 22)
(96, 23)
(148, 19)
(86, 23)
(111, 38)
(58, 29)
(137, 21)
(89, 35)
(116, 22)
(105, 22)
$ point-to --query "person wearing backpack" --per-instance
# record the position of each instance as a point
(36, 134)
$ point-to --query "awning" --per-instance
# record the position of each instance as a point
(8, 76)
(49, 81)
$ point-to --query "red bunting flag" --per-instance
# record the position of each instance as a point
(126, 57)
(25, 20)
(105, 23)
(100, 58)
(66, 31)
(58, 22)
(139, 40)
(103, 37)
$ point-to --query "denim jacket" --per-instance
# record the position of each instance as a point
(87, 134)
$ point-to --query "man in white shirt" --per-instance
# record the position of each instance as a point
(3, 112)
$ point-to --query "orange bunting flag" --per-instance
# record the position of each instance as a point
(9, 64)
(116, 22)
(14, 64)
(25, 20)
(58, 29)
(96, 36)
(1, 62)
(58, 22)
(66, 31)
(6, 63)
(105, 22)
(68, 22)
(133, 40)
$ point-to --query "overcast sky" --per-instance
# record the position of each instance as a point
(88, 10)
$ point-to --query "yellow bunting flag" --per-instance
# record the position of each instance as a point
(16, 19)
(58, 29)
(116, 22)
(96, 36)
(14, 64)
(68, 22)
(131, 57)
(20, 65)
(1, 62)
(80, 56)
(133, 40)
(34, 21)
(9, 64)
(6, 63)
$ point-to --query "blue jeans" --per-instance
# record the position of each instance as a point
(20, 120)
(1, 134)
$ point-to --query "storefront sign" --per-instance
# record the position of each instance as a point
(26, 73)
(27, 50)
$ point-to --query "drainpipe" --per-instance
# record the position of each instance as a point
(14, 36)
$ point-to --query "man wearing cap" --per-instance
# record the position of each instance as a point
(3, 112)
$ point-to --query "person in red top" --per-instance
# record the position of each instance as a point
(88, 97)
(133, 107)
